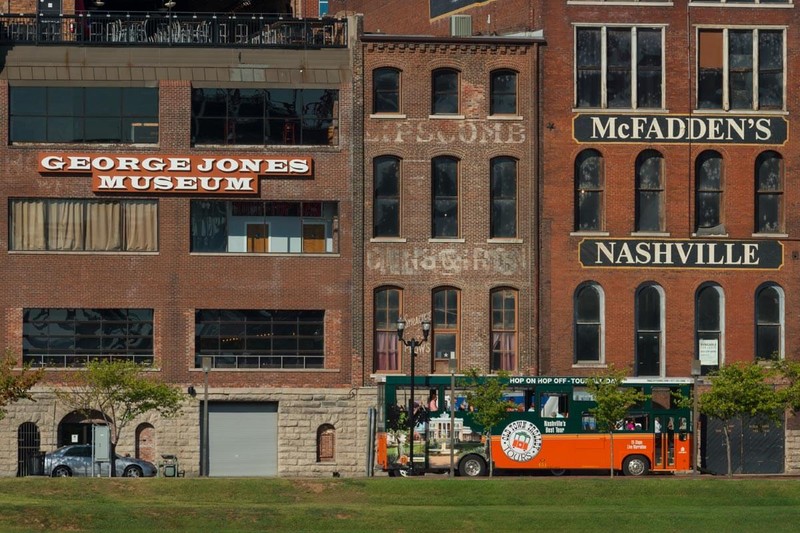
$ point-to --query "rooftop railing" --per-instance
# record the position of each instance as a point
(116, 28)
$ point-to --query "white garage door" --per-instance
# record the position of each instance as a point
(243, 439)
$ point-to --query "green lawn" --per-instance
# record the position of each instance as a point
(415, 505)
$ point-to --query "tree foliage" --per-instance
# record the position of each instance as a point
(485, 397)
(612, 401)
(742, 389)
(120, 391)
(15, 385)
(790, 390)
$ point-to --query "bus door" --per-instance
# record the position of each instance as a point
(672, 445)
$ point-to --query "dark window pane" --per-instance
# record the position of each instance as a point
(648, 215)
(588, 305)
(504, 93)
(589, 211)
(768, 344)
(649, 309)
(708, 307)
(445, 92)
(587, 343)
(768, 306)
(648, 352)
(386, 91)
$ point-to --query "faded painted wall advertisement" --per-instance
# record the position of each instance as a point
(449, 261)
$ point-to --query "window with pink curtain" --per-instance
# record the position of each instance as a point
(504, 330)
(387, 311)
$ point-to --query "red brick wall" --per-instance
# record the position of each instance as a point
(412, 17)
(561, 272)
(473, 263)
(173, 282)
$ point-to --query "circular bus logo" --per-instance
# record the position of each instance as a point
(521, 441)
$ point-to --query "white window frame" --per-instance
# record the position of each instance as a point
(604, 64)
(726, 103)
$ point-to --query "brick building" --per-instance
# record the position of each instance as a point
(667, 219)
(177, 186)
(449, 164)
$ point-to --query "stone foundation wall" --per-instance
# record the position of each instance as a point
(300, 413)
(792, 450)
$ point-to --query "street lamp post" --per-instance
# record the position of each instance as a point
(453, 366)
(204, 445)
(412, 343)
(697, 370)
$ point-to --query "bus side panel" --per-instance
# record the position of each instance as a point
(575, 452)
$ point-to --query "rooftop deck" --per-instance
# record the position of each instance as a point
(118, 28)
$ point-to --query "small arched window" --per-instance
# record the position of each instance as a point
(769, 193)
(650, 191)
(444, 92)
(386, 90)
(709, 193)
(589, 184)
(589, 316)
(769, 323)
(326, 443)
(504, 92)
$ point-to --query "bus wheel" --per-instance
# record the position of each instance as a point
(558, 472)
(393, 473)
(635, 465)
(472, 466)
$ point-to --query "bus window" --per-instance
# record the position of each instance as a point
(433, 400)
(553, 405)
(588, 422)
(515, 400)
(530, 400)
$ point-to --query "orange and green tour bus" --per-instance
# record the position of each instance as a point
(549, 427)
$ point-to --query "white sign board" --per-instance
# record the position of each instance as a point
(708, 350)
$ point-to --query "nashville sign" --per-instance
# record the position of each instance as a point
(174, 174)
(679, 129)
(635, 253)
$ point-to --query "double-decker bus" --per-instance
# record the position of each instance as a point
(549, 427)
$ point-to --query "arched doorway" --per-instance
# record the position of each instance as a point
(28, 454)
(146, 442)
(76, 427)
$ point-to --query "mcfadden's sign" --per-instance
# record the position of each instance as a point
(679, 129)
(634, 253)
(174, 174)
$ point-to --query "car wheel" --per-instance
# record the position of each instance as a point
(635, 465)
(62, 471)
(132, 471)
(472, 466)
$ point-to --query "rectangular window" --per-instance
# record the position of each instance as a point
(445, 92)
(445, 197)
(619, 67)
(84, 114)
(258, 226)
(264, 116)
(78, 225)
(386, 206)
(446, 323)
(66, 338)
(740, 69)
(504, 330)
(260, 338)
(503, 193)
(323, 7)
(387, 310)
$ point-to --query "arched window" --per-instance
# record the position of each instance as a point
(326, 444)
(503, 191)
(504, 329)
(388, 303)
(386, 90)
(589, 317)
(146, 442)
(446, 327)
(504, 92)
(709, 193)
(444, 192)
(386, 201)
(710, 324)
(650, 191)
(769, 193)
(649, 331)
(769, 323)
(444, 93)
(28, 442)
(589, 183)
